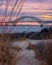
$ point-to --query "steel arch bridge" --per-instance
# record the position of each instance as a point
(6, 17)
(8, 10)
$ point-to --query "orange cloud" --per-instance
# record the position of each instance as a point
(46, 17)
(32, 8)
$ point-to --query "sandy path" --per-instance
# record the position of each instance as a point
(28, 59)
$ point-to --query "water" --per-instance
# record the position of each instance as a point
(19, 29)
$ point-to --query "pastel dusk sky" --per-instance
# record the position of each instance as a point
(37, 8)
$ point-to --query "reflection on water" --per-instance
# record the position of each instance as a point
(22, 28)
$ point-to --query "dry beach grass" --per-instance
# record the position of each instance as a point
(8, 56)
(46, 52)
(43, 52)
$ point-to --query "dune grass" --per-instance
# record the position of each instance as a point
(8, 56)
(44, 52)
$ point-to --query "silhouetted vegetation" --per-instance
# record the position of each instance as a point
(43, 34)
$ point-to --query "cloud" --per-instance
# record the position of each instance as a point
(39, 1)
(49, 8)
(28, 23)
(30, 7)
